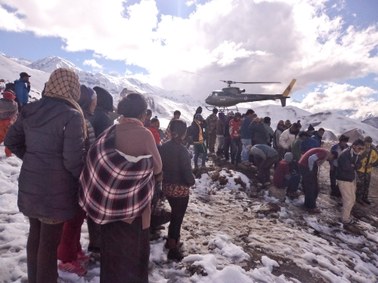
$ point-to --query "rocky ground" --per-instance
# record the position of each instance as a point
(266, 223)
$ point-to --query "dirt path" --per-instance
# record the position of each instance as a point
(265, 223)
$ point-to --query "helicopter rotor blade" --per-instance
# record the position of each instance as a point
(233, 82)
(257, 82)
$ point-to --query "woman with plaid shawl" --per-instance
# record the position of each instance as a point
(117, 187)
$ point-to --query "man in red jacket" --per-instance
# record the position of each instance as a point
(308, 168)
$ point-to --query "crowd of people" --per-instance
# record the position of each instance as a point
(293, 152)
(79, 164)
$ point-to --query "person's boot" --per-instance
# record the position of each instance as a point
(173, 250)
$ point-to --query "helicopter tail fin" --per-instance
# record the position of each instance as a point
(286, 92)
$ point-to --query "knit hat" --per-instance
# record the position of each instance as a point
(288, 157)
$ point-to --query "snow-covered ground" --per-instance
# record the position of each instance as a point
(231, 233)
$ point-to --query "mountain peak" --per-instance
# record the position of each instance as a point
(51, 63)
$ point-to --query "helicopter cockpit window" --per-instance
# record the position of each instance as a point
(217, 93)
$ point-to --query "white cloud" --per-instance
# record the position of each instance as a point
(221, 39)
(93, 63)
(345, 96)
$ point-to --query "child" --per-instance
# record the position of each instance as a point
(154, 128)
(8, 112)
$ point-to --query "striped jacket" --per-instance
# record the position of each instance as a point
(115, 186)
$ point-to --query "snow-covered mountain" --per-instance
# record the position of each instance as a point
(49, 64)
(164, 102)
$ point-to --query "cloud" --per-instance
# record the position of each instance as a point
(345, 96)
(221, 39)
(93, 63)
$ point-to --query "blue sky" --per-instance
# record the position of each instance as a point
(191, 45)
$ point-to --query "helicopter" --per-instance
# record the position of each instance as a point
(230, 95)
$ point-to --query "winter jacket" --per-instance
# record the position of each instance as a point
(270, 133)
(258, 133)
(101, 119)
(338, 149)
(234, 129)
(195, 133)
(296, 148)
(22, 91)
(8, 109)
(245, 131)
(176, 164)
(211, 123)
(155, 132)
(221, 126)
(369, 159)
(347, 163)
(263, 151)
(309, 143)
(48, 136)
(319, 153)
(276, 136)
(286, 139)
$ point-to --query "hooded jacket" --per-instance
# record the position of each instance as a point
(48, 136)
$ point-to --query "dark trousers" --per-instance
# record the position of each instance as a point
(211, 137)
(178, 209)
(199, 149)
(236, 149)
(69, 245)
(293, 183)
(125, 251)
(335, 191)
(226, 147)
(41, 251)
(263, 167)
(94, 232)
(310, 185)
(363, 184)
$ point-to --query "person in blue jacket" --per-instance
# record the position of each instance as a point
(22, 89)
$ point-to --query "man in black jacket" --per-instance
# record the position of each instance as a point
(346, 177)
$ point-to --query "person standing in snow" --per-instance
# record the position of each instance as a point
(117, 186)
(337, 149)
(348, 162)
(49, 137)
(369, 159)
(308, 168)
(8, 113)
(154, 129)
(177, 179)
(196, 135)
(22, 89)
(100, 121)
(211, 130)
(70, 253)
(246, 135)
(236, 145)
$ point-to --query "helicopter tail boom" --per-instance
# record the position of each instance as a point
(286, 92)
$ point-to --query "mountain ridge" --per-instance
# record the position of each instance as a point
(164, 102)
